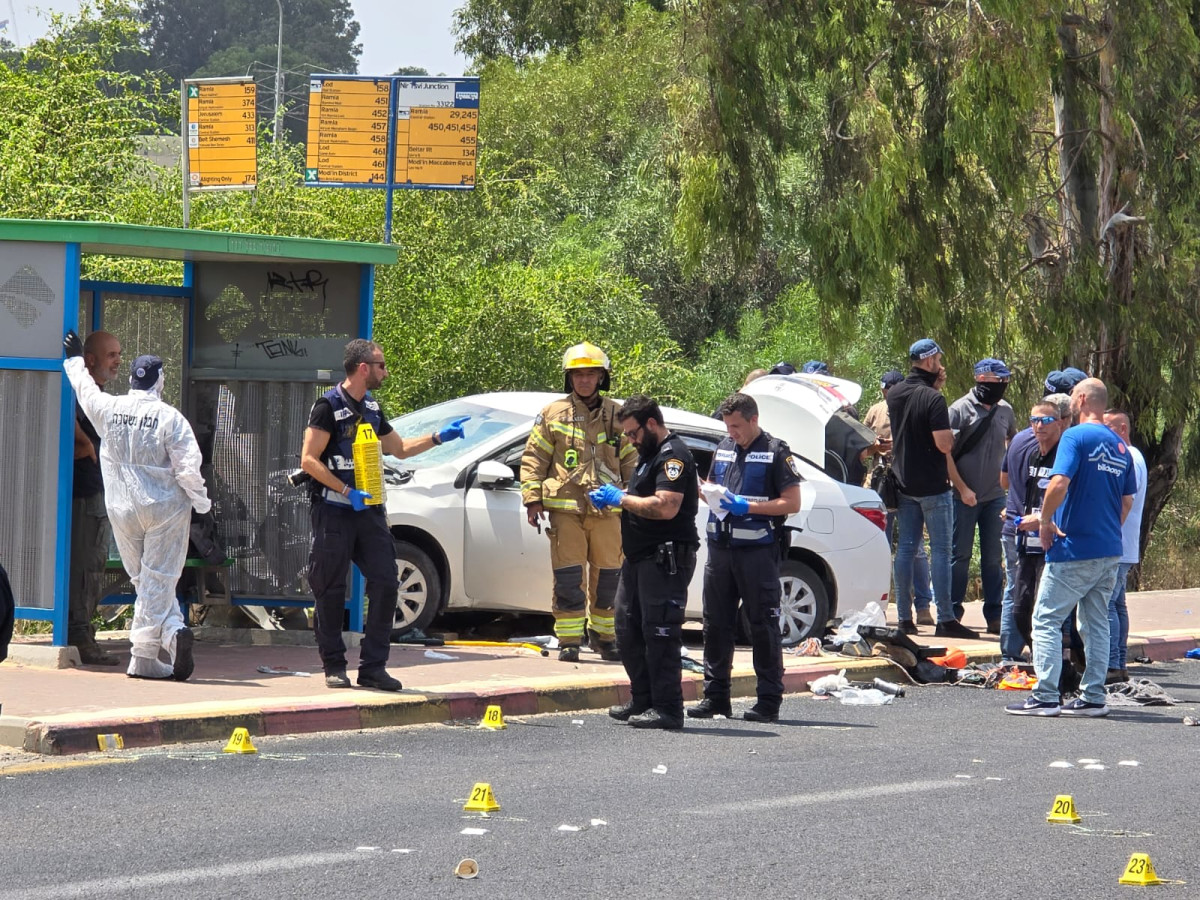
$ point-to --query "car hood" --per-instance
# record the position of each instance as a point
(796, 407)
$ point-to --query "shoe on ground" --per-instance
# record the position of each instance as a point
(379, 679)
(707, 708)
(337, 679)
(652, 718)
(185, 662)
(993, 627)
(1116, 676)
(623, 712)
(758, 714)
(608, 650)
(568, 654)
(908, 626)
(94, 655)
(925, 617)
(956, 629)
(1033, 707)
(1080, 707)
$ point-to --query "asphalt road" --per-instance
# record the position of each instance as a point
(939, 795)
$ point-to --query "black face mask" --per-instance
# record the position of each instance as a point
(990, 392)
(928, 377)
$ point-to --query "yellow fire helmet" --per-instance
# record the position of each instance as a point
(586, 356)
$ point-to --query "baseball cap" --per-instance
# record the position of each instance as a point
(923, 349)
(1062, 382)
(992, 366)
(815, 367)
(782, 368)
(889, 378)
(144, 372)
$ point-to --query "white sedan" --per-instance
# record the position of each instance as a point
(463, 542)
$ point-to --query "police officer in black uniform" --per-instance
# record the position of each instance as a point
(345, 528)
(659, 539)
(761, 479)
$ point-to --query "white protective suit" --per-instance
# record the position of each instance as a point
(152, 482)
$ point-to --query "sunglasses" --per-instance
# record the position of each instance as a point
(1042, 420)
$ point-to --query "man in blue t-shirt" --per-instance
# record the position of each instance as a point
(1091, 491)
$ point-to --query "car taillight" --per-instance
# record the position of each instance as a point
(876, 514)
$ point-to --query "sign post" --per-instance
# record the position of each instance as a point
(394, 133)
(219, 121)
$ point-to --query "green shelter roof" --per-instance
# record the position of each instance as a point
(191, 244)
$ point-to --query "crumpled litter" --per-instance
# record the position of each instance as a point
(282, 670)
(808, 647)
(850, 696)
(1192, 654)
(659, 770)
(827, 684)
(1016, 680)
(434, 654)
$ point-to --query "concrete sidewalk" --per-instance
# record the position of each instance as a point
(57, 711)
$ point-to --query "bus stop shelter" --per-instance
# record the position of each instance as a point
(251, 331)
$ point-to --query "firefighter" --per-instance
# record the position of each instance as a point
(575, 447)
(760, 481)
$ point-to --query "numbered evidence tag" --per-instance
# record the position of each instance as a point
(368, 463)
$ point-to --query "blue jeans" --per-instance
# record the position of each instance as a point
(1118, 620)
(987, 517)
(913, 515)
(1011, 642)
(922, 590)
(1085, 584)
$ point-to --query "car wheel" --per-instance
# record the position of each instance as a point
(804, 606)
(420, 589)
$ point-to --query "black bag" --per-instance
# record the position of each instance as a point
(886, 485)
(7, 610)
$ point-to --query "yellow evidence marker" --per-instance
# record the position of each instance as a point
(482, 799)
(493, 718)
(368, 464)
(239, 742)
(1139, 871)
(1063, 811)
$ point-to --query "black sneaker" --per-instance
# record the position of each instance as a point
(378, 679)
(758, 714)
(652, 718)
(908, 626)
(337, 679)
(956, 629)
(707, 708)
(993, 627)
(608, 650)
(1080, 707)
(1032, 707)
(623, 712)
(185, 664)
(92, 654)
(568, 654)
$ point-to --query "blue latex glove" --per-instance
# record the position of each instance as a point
(358, 499)
(736, 504)
(453, 431)
(605, 496)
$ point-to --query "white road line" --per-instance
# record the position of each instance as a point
(860, 793)
(127, 885)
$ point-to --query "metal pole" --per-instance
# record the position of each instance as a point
(279, 73)
(187, 168)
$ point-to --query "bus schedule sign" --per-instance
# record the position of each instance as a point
(399, 132)
(220, 120)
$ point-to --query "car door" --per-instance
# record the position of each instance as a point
(506, 562)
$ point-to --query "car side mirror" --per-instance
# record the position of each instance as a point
(494, 475)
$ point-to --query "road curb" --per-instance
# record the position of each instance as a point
(68, 735)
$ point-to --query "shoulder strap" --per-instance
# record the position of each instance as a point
(975, 435)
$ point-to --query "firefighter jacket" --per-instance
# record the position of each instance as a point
(573, 450)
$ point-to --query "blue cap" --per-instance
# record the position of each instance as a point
(923, 349)
(992, 366)
(782, 368)
(889, 378)
(144, 372)
(815, 367)
(1062, 382)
